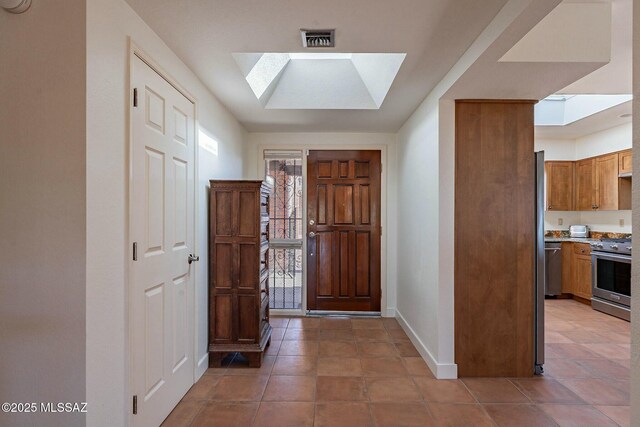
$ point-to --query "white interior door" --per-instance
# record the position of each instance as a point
(162, 217)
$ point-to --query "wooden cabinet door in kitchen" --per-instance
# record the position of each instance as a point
(585, 185)
(559, 185)
(607, 182)
(581, 267)
(625, 162)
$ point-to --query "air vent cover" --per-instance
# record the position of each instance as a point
(318, 38)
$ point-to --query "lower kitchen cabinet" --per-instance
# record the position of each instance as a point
(576, 269)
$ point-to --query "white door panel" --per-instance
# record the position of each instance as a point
(162, 216)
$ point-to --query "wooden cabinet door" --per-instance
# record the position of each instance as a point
(582, 276)
(559, 185)
(625, 161)
(567, 272)
(585, 185)
(607, 182)
(343, 242)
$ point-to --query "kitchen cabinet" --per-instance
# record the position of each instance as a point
(598, 185)
(581, 270)
(585, 185)
(560, 175)
(567, 274)
(625, 162)
(606, 190)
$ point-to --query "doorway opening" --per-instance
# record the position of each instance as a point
(285, 230)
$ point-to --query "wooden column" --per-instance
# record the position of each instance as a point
(494, 238)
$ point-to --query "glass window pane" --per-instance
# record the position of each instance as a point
(285, 274)
(286, 200)
(285, 278)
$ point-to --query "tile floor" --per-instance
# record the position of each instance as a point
(365, 372)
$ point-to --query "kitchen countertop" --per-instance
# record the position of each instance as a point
(570, 239)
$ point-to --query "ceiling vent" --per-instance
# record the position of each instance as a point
(318, 38)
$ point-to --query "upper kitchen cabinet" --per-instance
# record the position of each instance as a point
(560, 186)
(585, 185)
(607, 183)
(625, 163)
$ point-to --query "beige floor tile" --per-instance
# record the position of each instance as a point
(459, 415)
(184, 413)
(339, 366)
(298, 348)
(577, 416)
(295, 365)
(542, 390)
(598, 391)
(518, 415)
(284, 414)
(383, 367)
(495, 390)
(446, 391)
(620, 414)
(240, 388)
(240, 366)
(401, 415)
(290, 388)
(377, 349)
(337, 349)
(340, 389)
(392, 390)
(417, 366)
(226, 414)
(349, 414)
(203, 389)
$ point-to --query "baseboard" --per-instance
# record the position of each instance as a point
(203, 364)
(389, 312)
(441, 371)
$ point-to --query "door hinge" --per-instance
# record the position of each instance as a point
(135, 97)
(135, 251)
(135, 404)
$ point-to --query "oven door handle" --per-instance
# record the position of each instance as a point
(611, 257)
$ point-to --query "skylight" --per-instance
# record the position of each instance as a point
(561, 110)
(324, 80)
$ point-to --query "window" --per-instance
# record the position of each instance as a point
(285, 228)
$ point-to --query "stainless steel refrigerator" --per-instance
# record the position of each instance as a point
(539, 265)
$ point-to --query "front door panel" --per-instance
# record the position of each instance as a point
(343, 230)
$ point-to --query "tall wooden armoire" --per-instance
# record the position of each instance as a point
(239, 270)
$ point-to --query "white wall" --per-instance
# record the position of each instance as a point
(109, 22)
(607, 141)
(384, 141)
(635, 267)
(42, 209)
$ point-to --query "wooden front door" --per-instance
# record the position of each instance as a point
(343, 230)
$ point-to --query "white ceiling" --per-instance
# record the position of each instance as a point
(616, 76)
(613, 78)
(205, 34)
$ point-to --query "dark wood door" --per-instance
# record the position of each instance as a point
(343, 230)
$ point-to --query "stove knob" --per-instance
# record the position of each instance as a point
(600, 245)
(629, 248)
(614, 247)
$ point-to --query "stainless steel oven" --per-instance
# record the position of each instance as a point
(611, 278)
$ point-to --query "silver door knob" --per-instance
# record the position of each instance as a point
(312, 234)
(193, 258)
